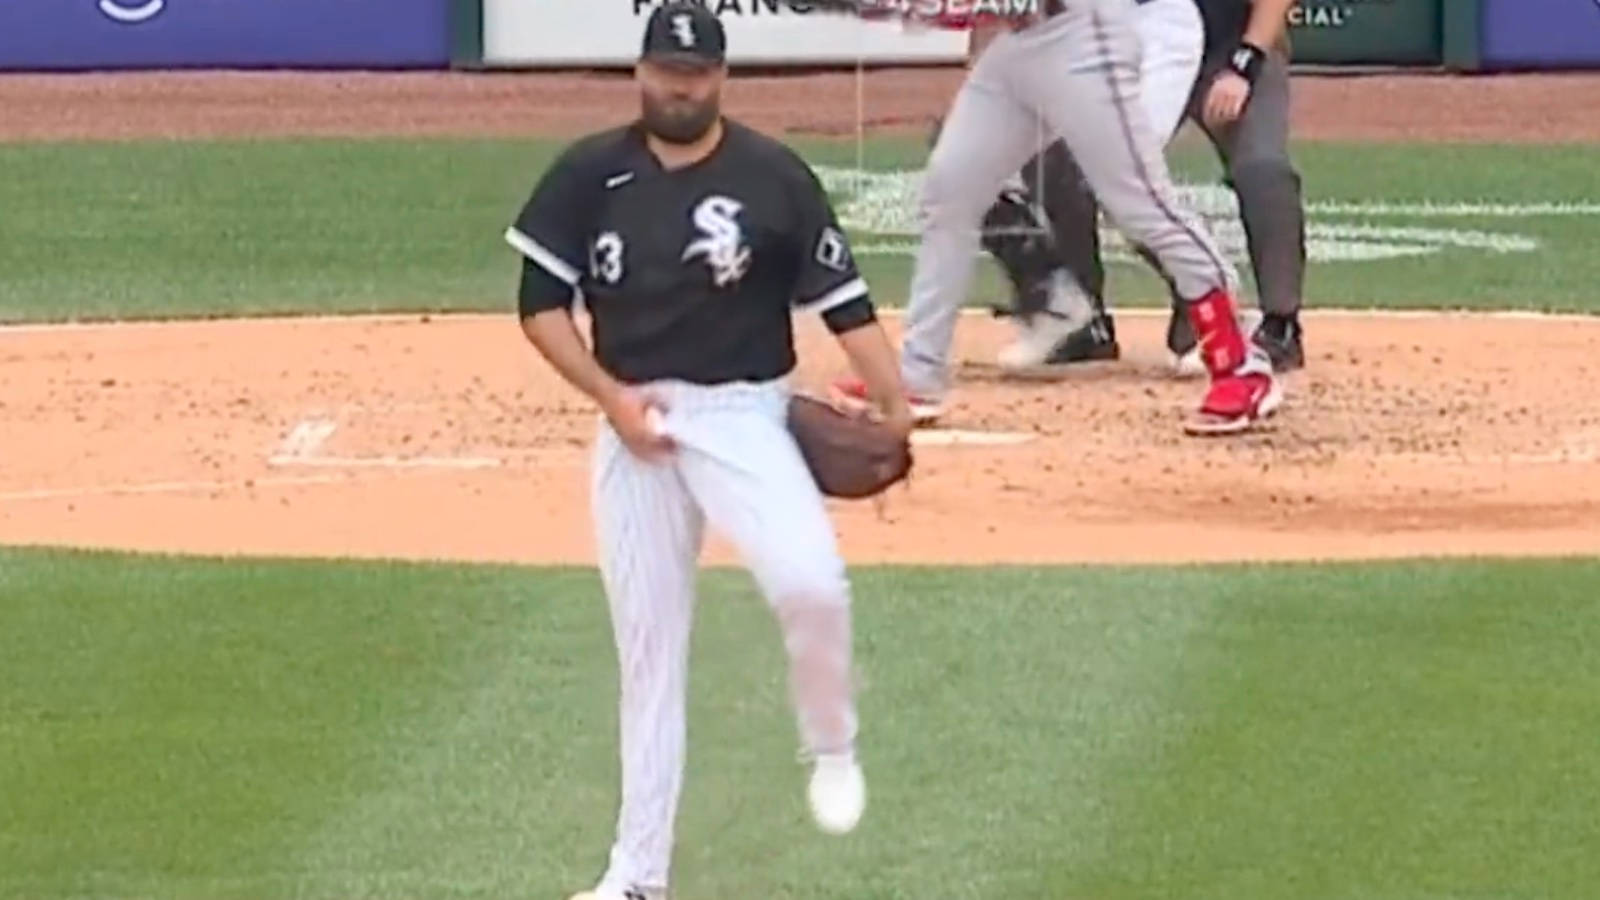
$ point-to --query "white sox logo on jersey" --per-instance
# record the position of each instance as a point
(722, 240)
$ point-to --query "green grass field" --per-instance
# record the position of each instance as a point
(179, 728)
(206, 729)
(193, 229)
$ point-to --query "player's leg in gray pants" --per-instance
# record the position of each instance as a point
(988, 135)
(1080, 72)
(1074, 217)
(1084, 68)
(1256, 151)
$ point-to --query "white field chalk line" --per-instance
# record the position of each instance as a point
(1555, 458)
(1515, 315)
(1482, 209)
(1341, 312)
(386, 462)
(165, 487)
(893, 185)
(956, 437)
(306, 438)
(312, 319)
(921, 437)
(302, 444)
(186, 487)
(882, 204)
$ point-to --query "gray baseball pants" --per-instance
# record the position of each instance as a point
(1255, 150)
(1078, 73)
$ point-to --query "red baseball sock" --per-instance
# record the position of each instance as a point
(1222, 345)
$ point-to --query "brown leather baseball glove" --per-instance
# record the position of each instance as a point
(849, 456)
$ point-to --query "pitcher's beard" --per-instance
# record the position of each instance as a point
(680, 127)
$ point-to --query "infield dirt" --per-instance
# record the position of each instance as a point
(446, 438)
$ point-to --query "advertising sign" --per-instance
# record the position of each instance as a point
(1368, 32)
(765, 32)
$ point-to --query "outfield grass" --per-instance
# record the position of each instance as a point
(229, 729)
(154, 229)
(211, 729)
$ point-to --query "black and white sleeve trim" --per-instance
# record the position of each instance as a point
(854, 289)
(541, 255)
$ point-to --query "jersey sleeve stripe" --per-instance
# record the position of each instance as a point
(854, 289)
(537, 252)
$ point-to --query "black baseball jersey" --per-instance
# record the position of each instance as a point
(691, 273)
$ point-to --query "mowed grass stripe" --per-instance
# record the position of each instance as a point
(195, 728)
(172, 229)
(1393, 731)
(176, 729)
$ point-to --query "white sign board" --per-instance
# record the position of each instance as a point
(760, 32)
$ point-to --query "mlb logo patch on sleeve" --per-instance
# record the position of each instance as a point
(833, 251)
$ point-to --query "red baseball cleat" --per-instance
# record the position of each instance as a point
(1243, 388)
(1238, 400)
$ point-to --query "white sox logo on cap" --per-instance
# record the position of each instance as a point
(683, 28)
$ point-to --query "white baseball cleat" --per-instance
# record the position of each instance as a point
(837, 793)
(1039, 336)
(626, 894)
(1188, 365)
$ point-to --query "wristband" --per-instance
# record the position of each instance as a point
(1246, 61)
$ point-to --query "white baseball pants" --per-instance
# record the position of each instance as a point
(737, 469)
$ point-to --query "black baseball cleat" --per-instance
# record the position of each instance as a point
(1183, 346)
(1180, 333)
(1094, 342)
(1281, 337)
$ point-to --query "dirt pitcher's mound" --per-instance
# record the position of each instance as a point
(400, 437)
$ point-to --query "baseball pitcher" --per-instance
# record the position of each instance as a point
(690, 238)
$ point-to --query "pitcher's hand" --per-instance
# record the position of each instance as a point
(637, 420)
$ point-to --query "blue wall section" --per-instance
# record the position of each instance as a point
(116, 34)
(104, 34)
(1541, 33)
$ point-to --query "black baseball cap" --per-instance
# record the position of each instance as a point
(685, 34)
